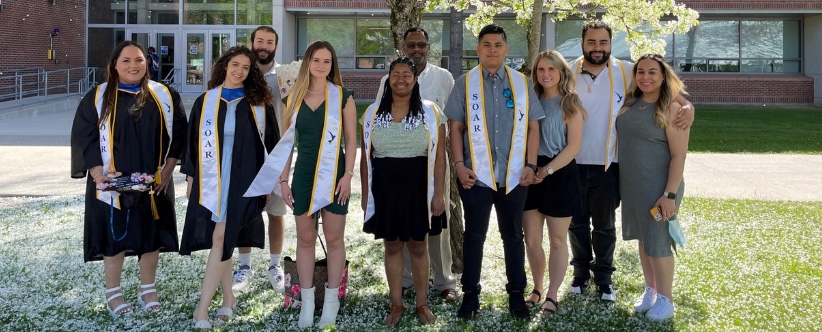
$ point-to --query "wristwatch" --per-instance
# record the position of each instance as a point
(532, 167)
(670, 195)
(549, 170)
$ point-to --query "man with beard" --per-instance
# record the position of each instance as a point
(435, 84)
(601, 82)
(264, 44)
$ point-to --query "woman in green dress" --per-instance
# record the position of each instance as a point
(322, 115)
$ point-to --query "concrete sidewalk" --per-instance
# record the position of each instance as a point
(35, 162)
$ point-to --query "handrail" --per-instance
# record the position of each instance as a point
(44, 83)
(170, 79)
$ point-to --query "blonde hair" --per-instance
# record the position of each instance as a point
(570, 102)
(671, 87)
(300, 88)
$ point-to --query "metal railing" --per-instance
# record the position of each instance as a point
(170, 79)
(22, 85)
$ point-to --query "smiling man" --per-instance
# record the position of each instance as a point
(264, 41)
(435, 85)
(493, 113)
(601, 82)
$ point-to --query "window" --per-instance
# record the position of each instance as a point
(209, 12)
(255, 12)
(747, 46)
(153, 12)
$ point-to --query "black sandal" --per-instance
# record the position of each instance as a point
(531, 304)
(546, 311)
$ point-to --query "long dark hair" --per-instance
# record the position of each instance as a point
(415, 105)
(256, 90)
(110, 94)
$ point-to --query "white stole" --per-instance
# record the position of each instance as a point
(618, 85)
(325, 176)
(479, 143)
(162, 97)
(209, 142)
(431, 121)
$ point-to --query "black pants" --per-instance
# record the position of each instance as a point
(599, 191)
(477, 202)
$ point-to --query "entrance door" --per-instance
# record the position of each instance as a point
(163, 43)
(203, 49)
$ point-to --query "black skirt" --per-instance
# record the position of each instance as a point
(399, 188)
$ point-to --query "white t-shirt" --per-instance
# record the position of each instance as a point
(597, 103)
(271, 80)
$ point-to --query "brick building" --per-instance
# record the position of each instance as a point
(743, 51)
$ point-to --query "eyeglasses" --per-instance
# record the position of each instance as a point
(507, 94)
(417, 44)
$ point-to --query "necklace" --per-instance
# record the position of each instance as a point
(586, 83)
(309, 91)
(643, 107)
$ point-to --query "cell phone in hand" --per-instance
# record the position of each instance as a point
(656, 213)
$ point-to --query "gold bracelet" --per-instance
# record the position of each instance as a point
(350, 172)
(286, 180)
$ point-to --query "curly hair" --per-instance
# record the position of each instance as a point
(110, 94)
(255, 88)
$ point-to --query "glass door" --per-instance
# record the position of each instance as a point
(163, 43)
(204, 48)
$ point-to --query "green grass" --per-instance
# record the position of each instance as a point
(757, 130)
(748, 265)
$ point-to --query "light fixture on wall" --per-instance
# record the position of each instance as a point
(2, 6)
(53, 2)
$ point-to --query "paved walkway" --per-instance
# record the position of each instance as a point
(35, 161)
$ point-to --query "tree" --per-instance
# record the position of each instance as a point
(642, 20)
(405, 14)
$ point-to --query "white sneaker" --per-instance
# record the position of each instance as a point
(242, 278)
(663, 309)
(607, 293)
(646, 301)
(275, 277)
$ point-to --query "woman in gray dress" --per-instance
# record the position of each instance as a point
(651, 162)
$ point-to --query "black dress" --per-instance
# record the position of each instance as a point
(137, 148)
(249, 155)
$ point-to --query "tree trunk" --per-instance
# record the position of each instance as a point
(455, 222)
(533, 35)
(455, 48)
(405, 14)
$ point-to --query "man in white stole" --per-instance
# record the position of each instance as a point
(493, 114)
(601, 82)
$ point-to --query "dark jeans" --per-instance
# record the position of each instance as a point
(477, 202)
(599, 191)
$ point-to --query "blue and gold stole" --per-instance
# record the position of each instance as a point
(162, 97)
(479, 144)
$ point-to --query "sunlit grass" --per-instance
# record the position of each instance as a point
(749, 265)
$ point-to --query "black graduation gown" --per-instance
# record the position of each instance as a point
(248, 158)
(136, 149)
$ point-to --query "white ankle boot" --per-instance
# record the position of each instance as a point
(331, 306)
(306, 308)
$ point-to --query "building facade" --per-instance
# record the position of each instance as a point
(742, 52)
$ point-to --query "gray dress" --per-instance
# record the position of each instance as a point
(644, 159)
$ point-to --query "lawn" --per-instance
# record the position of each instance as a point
(749, 130)
(757, 130)
(748, 265)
